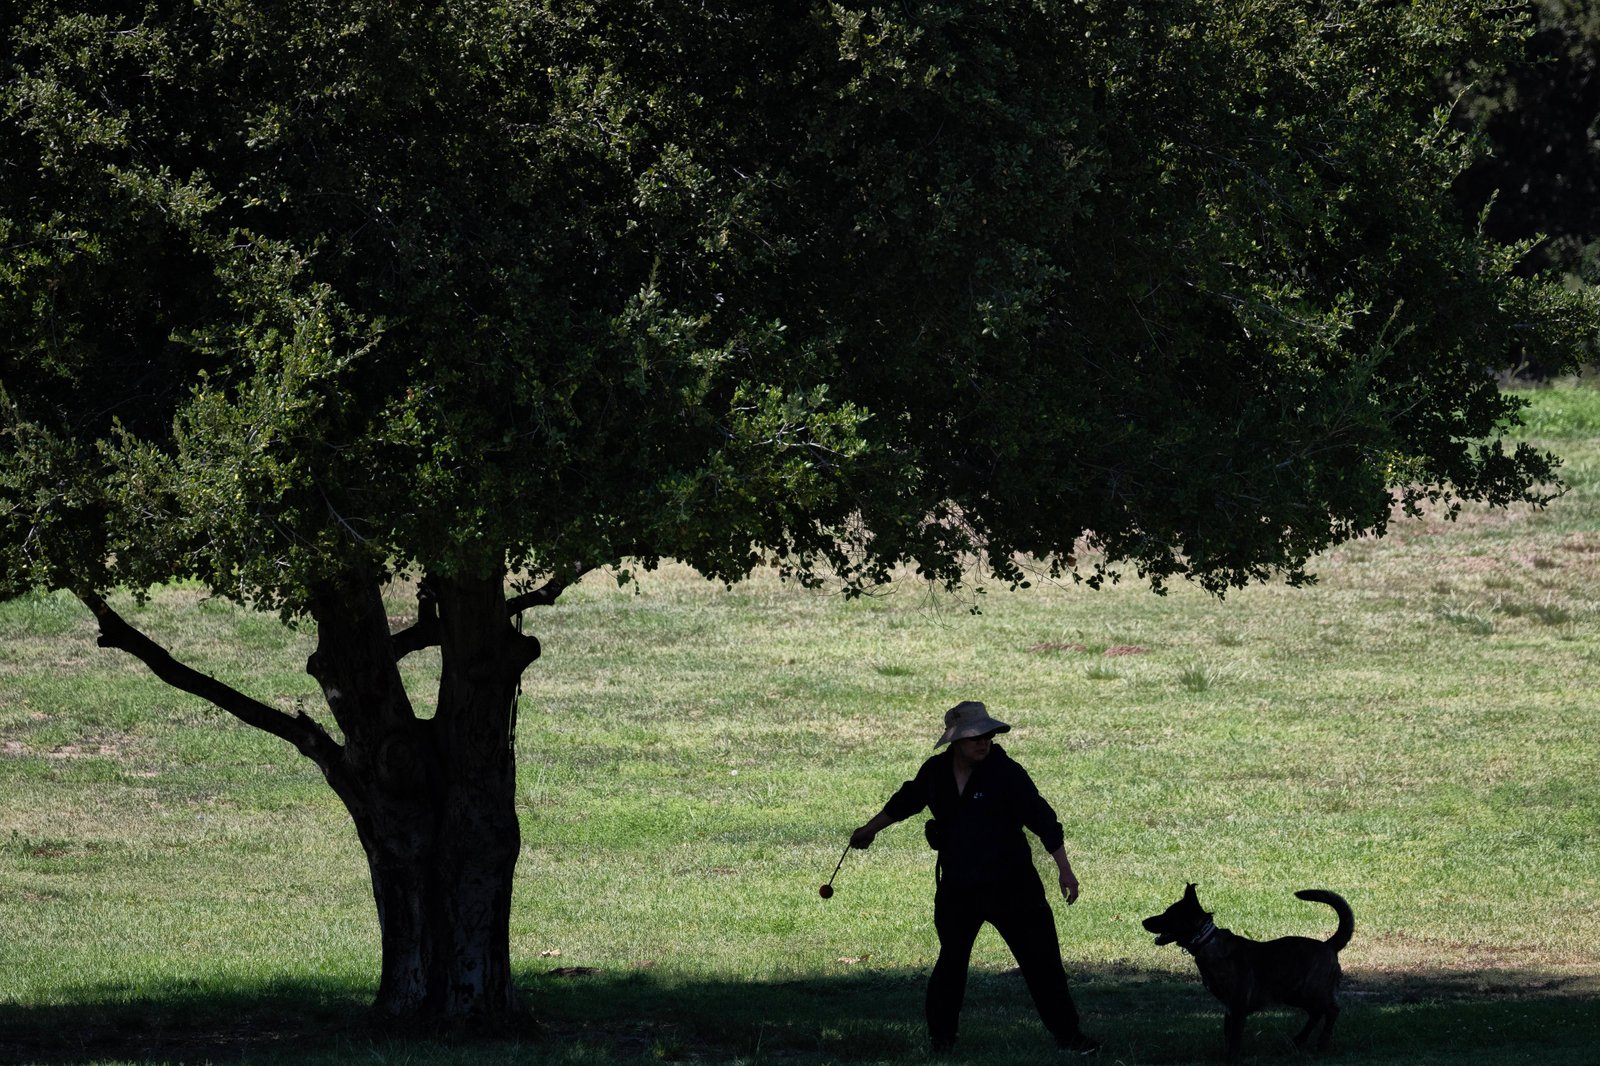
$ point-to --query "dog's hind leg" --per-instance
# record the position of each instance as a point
(1329, 1016)
(1312, 1018)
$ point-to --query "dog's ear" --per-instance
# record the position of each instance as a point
(1188, 893)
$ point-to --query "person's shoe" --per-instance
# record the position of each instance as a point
(942, 1045)
(1078, 1044)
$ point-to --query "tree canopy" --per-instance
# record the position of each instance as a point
(296, 298)
(477, 283)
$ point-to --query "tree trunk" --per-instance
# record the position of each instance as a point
(433, 800)
(441, 879)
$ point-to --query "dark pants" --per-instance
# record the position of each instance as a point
(1021, 915)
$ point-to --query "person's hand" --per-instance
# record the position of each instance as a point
(862, 838)
(1069, 885)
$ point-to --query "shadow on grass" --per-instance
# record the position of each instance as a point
(857, 1016)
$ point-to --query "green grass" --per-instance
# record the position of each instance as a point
(1415, 731)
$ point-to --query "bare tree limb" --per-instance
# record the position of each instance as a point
(299, 729)
(424, 632)
(546, 594)
(415, 638)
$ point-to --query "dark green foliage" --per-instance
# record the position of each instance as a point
(302, 288)
(1541, 121)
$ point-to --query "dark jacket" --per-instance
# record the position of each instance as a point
(980, 831)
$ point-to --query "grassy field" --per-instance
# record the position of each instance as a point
(1416, 732)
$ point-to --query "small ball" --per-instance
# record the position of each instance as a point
(826, 891)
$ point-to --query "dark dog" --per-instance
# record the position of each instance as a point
(1248, 975)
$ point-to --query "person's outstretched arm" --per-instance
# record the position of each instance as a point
(909, 798)
(862, 837)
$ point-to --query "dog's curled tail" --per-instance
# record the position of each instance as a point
(1347, 918)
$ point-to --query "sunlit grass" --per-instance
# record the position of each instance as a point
(1413, 731)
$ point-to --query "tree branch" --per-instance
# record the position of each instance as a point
(546, 594)
(424, 632)
(299, 729)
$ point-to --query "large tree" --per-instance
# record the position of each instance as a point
(305, 298)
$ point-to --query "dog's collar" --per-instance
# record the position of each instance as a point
(1202, 937)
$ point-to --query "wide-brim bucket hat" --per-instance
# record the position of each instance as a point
(969, 718)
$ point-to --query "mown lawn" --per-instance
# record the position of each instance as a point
(1415, 731)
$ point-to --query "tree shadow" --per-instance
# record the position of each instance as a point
(185, 1021)
(859, 1014)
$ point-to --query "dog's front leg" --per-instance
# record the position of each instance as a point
(1233, 1035)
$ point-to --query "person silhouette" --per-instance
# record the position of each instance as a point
(981, 800)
